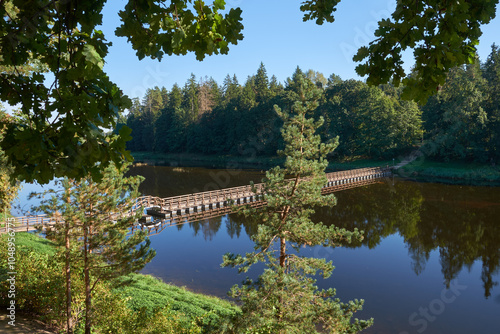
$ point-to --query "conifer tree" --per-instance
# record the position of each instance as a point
(285, 298)
(275, 87)
(190, 101)
(231, 90)
(261, 83)
(93, 233)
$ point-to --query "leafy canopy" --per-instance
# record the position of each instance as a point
(442, 34)
(68, 102)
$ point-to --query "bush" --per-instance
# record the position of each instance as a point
(39, 282)
(132, 304)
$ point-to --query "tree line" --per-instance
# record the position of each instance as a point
(460, 122)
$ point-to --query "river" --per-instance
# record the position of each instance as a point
(429, 262)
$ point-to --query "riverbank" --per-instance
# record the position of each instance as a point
(206, 161)
(237, 162)
(452, 172)
(145, 296)
(422, 171)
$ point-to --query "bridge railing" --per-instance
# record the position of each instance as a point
(27, 223)
(198, 199)
(220, 196)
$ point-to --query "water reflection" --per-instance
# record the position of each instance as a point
(461, 225)
(422, 242)
(460, 222)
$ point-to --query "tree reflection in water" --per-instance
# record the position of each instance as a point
(461, 223)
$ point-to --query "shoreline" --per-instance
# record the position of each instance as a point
(459, 173)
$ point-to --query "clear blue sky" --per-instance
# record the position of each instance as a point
(274, 34)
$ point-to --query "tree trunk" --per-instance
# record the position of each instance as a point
(88, 302)
(282, 252)
(69, 320)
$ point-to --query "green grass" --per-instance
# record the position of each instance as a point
(147, 292)
(453, 172)
(34, 242)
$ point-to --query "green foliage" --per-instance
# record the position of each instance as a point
(442, 35)
(459, 123)
(92, 233)
(370, 121)
(491, 72)
(155, 28)
(59, 131)
(39, 279)
(319, 10)
(456, 121)
(285, 298)
(9, 187)
(146, 294)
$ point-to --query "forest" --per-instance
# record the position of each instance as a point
(461, 122)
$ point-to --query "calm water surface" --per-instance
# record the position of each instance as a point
(429, 262)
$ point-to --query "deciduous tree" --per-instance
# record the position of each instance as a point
(8, 186)
(61, 129)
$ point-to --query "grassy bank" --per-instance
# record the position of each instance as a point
(147, 298)
(452, 172)
(34, 242)
(148, 293)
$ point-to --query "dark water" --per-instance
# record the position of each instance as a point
(429, 262)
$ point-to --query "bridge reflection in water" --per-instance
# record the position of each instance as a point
(159, 213)
(173, 211)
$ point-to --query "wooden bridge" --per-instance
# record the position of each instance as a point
(162, 212)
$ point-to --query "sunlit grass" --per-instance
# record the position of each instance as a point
(34, 242)
(453, 172)
(149, 293)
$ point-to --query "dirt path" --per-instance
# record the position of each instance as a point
(410, 158)
(24, 325)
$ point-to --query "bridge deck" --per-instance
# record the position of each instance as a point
(206, 204)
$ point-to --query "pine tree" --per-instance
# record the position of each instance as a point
(93, 233)
(261, 83)
(285, 298)
(491, 72)
(231, 90)
(190, 101)
(175, 97)
(275, 87)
